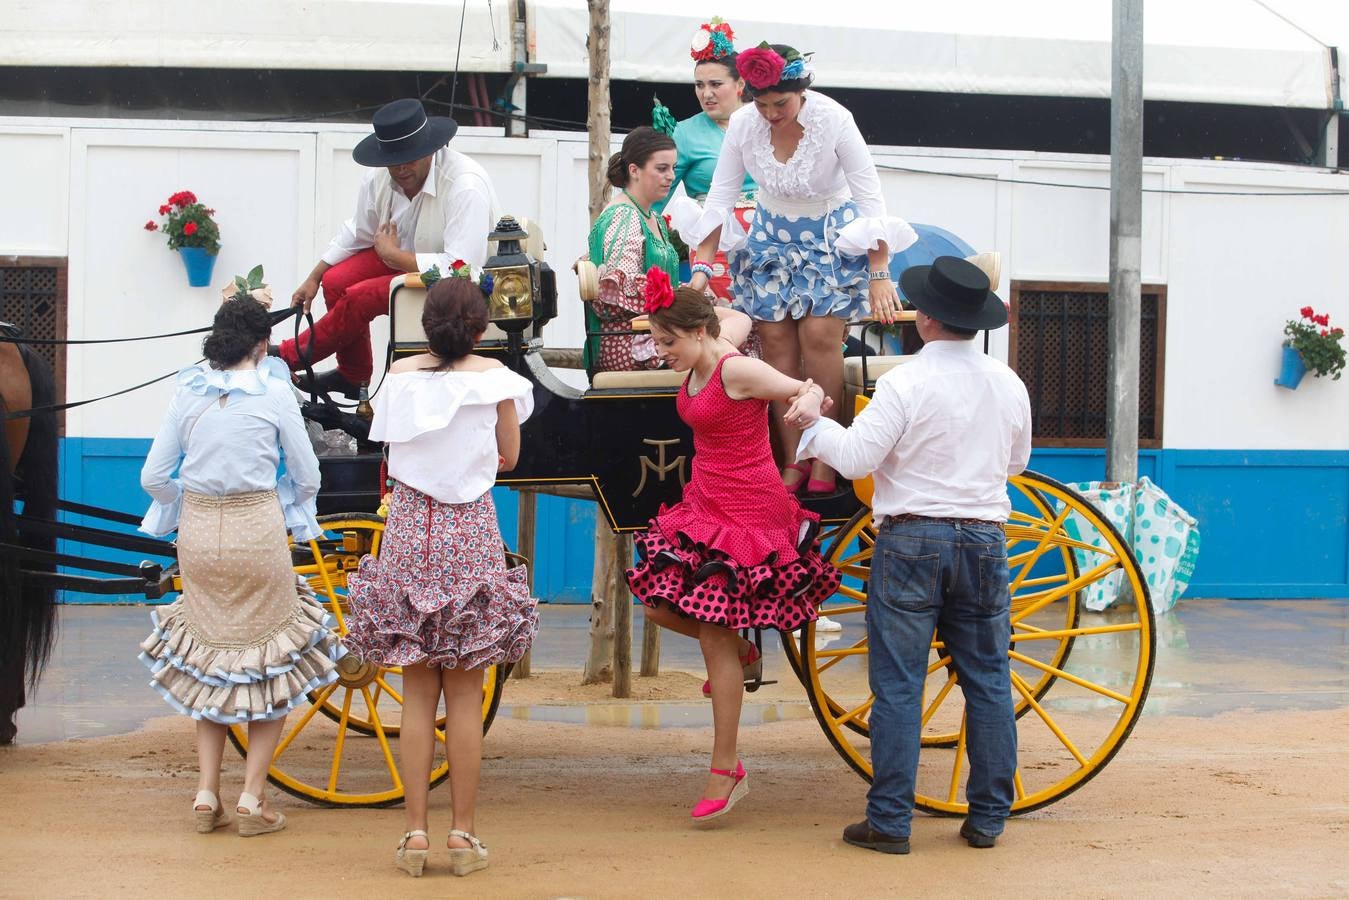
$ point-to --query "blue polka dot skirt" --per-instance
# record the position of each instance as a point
(790, 268)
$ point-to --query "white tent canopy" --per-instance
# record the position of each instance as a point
(1255, 52)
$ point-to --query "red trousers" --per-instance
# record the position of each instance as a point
(356, 290)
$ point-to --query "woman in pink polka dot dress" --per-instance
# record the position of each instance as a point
(737, 551)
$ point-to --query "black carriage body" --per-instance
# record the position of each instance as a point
(628, 444)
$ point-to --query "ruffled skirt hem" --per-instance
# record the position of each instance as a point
(471, 623)
(706, 584)
(237, 685)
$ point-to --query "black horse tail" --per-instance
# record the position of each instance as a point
(28, 615)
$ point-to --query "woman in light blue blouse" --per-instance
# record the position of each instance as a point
(246, 640)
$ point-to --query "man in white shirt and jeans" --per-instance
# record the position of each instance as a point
(422, 204)
(941, 434)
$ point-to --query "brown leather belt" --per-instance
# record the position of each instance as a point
(910, 517)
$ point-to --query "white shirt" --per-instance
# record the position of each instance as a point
(232, 449)
(441, 428)
(831, 164)
(467, 208)
(942, 435)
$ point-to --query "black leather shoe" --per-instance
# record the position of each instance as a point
(975, 838)
(861, 834)
(327, 383)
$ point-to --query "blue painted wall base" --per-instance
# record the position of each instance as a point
(1275, 523)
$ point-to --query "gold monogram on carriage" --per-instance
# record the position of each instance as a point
(659, 465)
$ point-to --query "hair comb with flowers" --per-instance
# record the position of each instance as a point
(459, 269)
(713, 41)
(657, 293)
(762, 67)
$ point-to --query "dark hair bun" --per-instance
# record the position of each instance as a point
(638, 147)
(239, 325)
(454, 317)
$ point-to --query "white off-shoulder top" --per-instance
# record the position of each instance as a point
(441, 428)
(830, 166)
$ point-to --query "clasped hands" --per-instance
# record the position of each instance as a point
(808, 404)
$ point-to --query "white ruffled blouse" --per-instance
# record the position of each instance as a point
(831, 163)
(441, 428)
(232, 447)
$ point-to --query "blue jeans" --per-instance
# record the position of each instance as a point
(928, 575)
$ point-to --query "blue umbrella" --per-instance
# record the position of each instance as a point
(932, 242)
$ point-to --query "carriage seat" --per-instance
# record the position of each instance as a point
(650, 378)
(852, 379)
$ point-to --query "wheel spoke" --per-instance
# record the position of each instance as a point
(341, 742)
(319, 699)
(1024, 690)
(1039, 634)
(383, 738)
(939, 664)
(1068, 676)
(858, 712)
(1033, 603)
(954, 791)
(1040, 549)
(938, 700)
(397, 697)
(1019, 784)
(328, 587)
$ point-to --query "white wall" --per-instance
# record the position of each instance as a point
(1235, 268)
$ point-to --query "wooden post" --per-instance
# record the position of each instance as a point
(622, 603)
(597, 117)
(599, 664)
(650, 648)
(524, 545)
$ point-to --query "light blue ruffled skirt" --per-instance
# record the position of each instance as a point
(789, 267)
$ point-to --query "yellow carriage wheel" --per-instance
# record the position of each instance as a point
(346, 757)
(1079, 678)
(849, 549)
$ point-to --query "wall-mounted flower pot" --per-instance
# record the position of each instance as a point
(1292, 370)
(199, 264)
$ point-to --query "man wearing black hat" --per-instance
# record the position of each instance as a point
(941, 434)
(421, 204)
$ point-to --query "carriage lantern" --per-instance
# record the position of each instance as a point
(524, 291)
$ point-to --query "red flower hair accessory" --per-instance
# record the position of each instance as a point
(658, 292)
(712, 41)
(760, 66)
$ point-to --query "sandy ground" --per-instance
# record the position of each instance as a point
(1241, 804)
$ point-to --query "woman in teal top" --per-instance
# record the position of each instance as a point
(717, 85)
(626, 240)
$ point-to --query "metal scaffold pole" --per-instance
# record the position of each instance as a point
(1126, 221)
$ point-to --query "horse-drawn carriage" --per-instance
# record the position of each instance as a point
(1079, 677)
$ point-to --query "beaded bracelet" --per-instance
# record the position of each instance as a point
(880, 275)
(701, 267)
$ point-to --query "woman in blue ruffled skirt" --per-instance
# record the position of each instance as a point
(816, 254)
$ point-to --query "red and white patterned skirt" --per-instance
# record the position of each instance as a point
(440, 592)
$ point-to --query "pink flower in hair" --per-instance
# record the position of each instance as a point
(761, 67)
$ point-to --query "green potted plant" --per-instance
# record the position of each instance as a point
(1312, 346)
(192, 232)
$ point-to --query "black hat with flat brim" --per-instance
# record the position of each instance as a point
(954, 292)
(403, 133)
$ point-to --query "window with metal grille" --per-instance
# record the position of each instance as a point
(33, 296)
(1058, 347)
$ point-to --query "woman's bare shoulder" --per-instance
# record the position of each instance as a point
(473, 363)
(413, 363)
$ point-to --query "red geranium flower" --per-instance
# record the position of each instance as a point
(183, 198)
(151, 226)
(1307, 311)
(165, 210)
(190, 228)
(1321, 319)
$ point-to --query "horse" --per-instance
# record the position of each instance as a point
(28, 474)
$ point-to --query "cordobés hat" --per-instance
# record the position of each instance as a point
(403, 132)
(954, 292)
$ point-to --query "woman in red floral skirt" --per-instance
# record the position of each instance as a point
(439, 600)
(737, 551)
